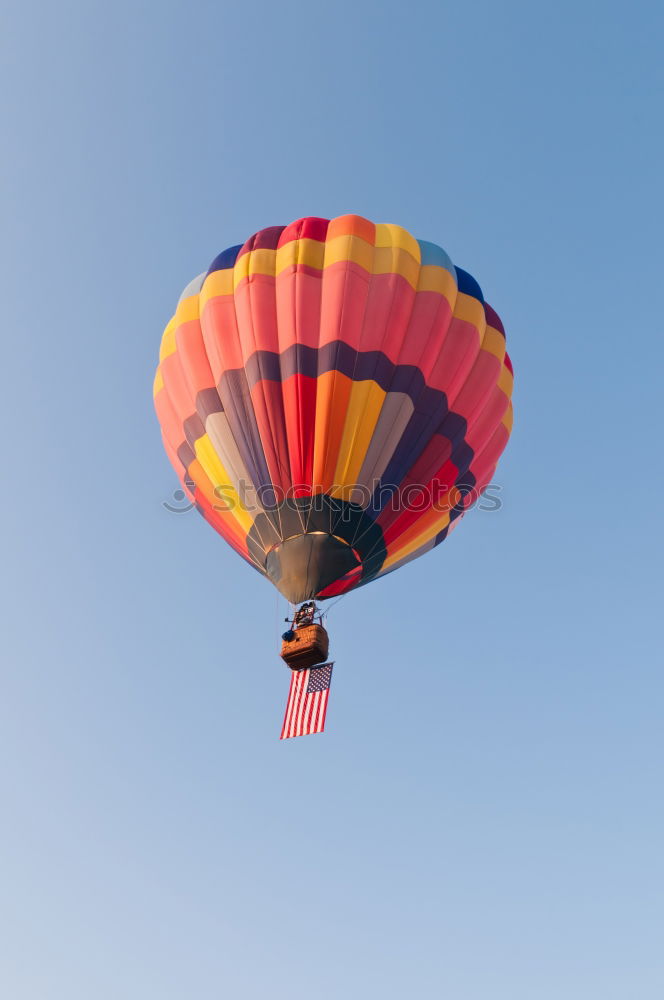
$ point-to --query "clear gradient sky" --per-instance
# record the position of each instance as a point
(483, 819)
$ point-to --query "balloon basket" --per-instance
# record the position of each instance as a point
(309, 645)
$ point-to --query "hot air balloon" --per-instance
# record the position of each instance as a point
(334, 395)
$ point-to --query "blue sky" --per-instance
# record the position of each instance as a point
(483, 817)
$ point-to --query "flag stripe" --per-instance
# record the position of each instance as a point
(308, 715)
(322, 721)
(313, 712)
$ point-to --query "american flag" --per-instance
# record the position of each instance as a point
(307, 701)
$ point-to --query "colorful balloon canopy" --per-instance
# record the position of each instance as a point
(333, 395)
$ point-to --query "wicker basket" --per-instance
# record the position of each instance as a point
(308, 646)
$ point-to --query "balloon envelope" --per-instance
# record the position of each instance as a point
(333, 395)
